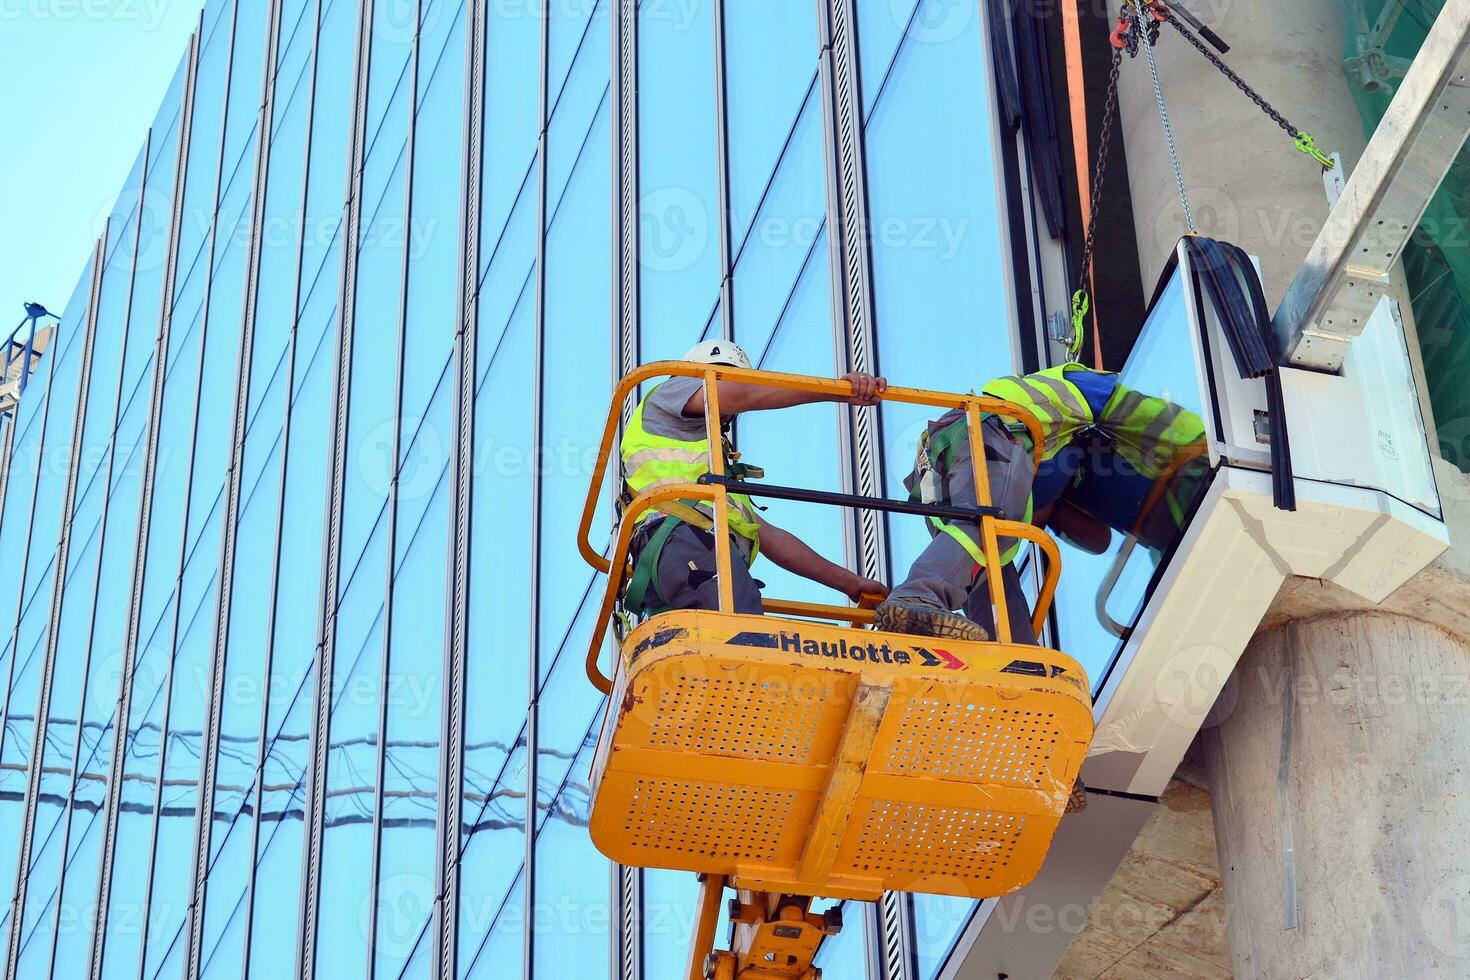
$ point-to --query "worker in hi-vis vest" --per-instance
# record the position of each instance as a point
(673, 549)
(1076, 407)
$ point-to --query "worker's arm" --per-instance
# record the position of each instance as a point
(737, 397)
(793, 554)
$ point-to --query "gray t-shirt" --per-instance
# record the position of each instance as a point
(663, 415)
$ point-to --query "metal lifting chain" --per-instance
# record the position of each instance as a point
(1304, 141)
(1081, 299)
(1142, 9)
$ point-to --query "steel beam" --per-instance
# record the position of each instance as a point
(1349, 267)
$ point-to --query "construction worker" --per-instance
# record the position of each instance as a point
(674, 551)
(1075, 406)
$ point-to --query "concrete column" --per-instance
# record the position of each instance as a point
(1248, 184)
(1339, 766)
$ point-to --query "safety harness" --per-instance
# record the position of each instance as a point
(650, 460)
(934, 459)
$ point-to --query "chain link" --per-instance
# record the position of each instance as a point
(1105, 140)
(1153, 70)
(1304, 142)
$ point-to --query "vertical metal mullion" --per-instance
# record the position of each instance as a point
(533, 711)
(58, 594)
(457, 624)
(7, 420)
(859, 429)
(209, 749)
(722, 166)
(264, 738)
(145, 511)
(327, 611)
(390, 561)
(175, 619)
(625, 883)
(313, 824)
(833, 170)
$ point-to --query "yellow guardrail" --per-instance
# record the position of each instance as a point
(992, 528)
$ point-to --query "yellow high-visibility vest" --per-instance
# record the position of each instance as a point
(651, 460)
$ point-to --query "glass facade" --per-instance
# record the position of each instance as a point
(293, 614)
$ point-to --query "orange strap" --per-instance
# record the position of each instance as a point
(1077, 98)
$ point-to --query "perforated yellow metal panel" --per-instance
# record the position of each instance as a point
(830, 761)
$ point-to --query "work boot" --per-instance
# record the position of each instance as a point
(1077, 799)
(919, 618)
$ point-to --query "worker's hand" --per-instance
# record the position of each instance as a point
(866, 587)
(865, 387)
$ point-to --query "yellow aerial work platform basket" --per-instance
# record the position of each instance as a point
(803, 753)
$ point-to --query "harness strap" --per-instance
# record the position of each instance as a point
(645, 570)
(941, 445)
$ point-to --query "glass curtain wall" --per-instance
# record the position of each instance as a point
(233, 721)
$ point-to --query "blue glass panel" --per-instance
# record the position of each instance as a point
(278, 860)
(33, 520)
(571, 915)
(389, 82)
(202, 169)
(173, 842)
(496, 676)
(938, 255)
(578, 296)
(60, 738)
(568, 24)
(771, 68)
(575, 114)
(246, 686)
(786, 239)
(495, 852)
(846, 954)
(938, 258)
(669, 899)
(679, 204)
(81, 832)
(138, 790)
(512, 117)
(413, 695)
(378, 313)
(1161, 364)
(352, 763)
(938, 922)
(498, 948)
(568, 704)
(799, 446)
(331, 122)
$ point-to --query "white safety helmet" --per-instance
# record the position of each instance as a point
(719, 352)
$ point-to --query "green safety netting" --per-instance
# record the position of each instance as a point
(1383, 37)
